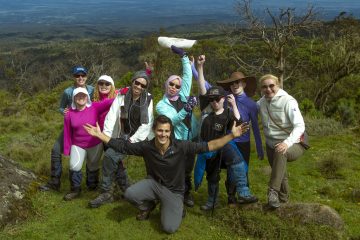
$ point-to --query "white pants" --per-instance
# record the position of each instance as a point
(92, 155)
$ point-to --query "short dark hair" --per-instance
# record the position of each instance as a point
(162, 119)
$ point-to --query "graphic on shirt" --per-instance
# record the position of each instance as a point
(218, 127)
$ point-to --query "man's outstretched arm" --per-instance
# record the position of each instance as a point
(236, 131)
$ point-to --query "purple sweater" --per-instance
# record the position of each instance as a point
(74, 120)
(249, 113)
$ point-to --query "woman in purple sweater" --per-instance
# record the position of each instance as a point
(77, 143)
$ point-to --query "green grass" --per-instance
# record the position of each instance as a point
(54, 218)
(328, 173)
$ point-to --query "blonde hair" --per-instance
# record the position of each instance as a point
(111, 94)
(269, 76)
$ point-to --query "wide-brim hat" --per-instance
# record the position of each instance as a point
(251, 84)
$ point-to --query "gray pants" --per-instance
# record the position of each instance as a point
(277, 161)
(113, 169)
(143, 193)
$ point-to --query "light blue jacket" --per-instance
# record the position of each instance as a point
(164, 107)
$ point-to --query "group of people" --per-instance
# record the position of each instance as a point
(121, 122)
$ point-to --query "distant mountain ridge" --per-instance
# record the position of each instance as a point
(144, 15)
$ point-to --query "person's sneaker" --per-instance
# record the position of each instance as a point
(208, 206)
(188, 200)
(273, 199)
(102, 199)
(49, 187)
(72, 195)
(247, 199)
(145, 214)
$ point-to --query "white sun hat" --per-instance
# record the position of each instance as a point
(77, 91)
(106, 78)
(177, 42)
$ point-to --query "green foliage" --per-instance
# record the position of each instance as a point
(346, 112)
(308, 107)
(322, 126)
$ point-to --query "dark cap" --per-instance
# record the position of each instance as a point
(79, 69)
(215, 91)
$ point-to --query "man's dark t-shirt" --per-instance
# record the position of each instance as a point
(167, 169)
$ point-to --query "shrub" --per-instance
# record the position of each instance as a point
(322, 126)
(345, 112)
(330, 165)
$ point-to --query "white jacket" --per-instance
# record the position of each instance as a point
(112, 124)
(285, 112)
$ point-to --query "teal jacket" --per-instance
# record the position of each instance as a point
(164, 107)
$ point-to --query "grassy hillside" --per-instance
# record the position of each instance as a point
(329, 174)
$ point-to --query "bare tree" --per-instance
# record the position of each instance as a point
(277, 30)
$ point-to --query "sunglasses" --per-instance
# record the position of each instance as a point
(104, 83)
(267, 86)
(171, 84)
(79, 75)
(217, 99)
(137, 83)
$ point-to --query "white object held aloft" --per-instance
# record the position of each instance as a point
(177, 42)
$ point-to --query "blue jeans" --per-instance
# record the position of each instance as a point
(236, 171)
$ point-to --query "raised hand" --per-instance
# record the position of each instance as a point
(201, 60)
(231, 100)
(178, 51)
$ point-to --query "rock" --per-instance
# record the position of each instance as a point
(311, 213)
(14, 185)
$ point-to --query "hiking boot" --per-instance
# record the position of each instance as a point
(208, 206)
(72, 195)
(247, 199)
(188, 200)
(49, 187)
(145, 214)
(273, 198)
(102, 199)
(232, 203)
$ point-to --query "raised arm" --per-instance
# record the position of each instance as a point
(186, 77)
(231, 100)
(196, 74)
(201, 80)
